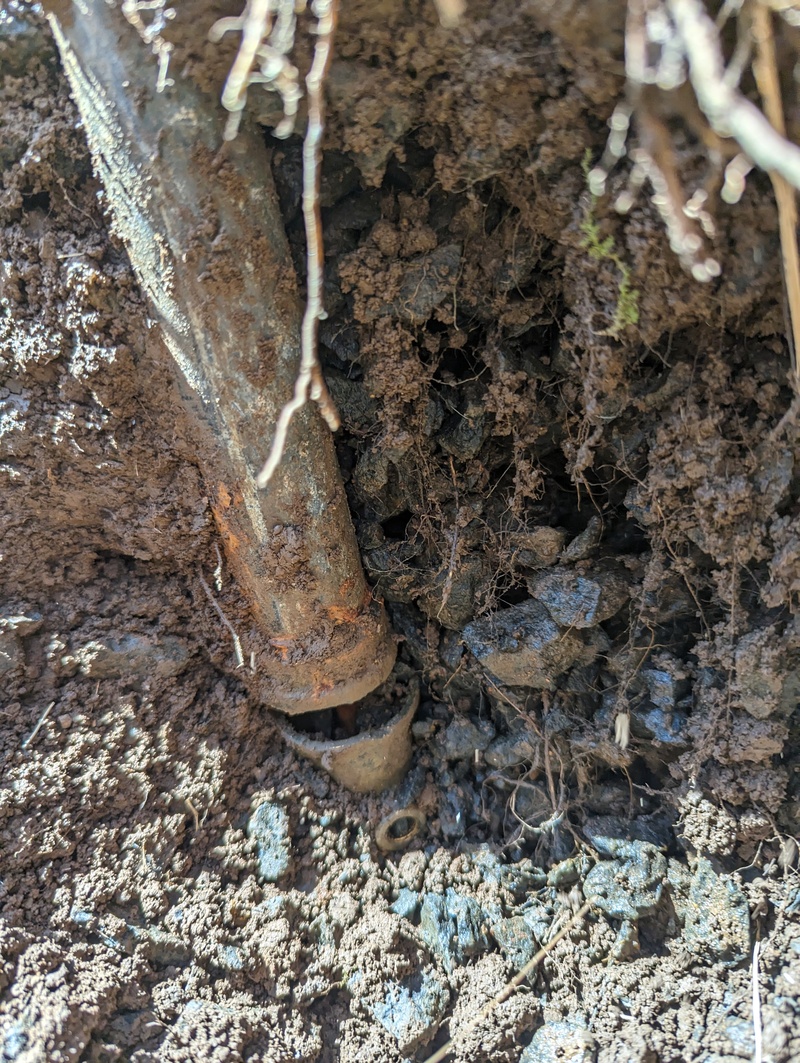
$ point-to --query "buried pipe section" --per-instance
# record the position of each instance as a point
(205, 237)
(376, 759)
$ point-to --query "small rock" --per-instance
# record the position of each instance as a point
(657, 725)
(412, 1010)
(511, 749)
(269, 826)
(539, 547)
(585, 544)
(630, 885)
(462, 738)
(465, 432)
(423, 730)
(516, 940)
(406, 904)
(601, 831)
(557, 1042)
(523, 646)
(390, 572)
(578, 601)
(133, 657)
(453, 927)
(427, 282)
(532, 805)
(356, 407)
(451, 649)
(567, 871)
(22, 625)
(666, 684)
(767, 674)
(455, 804)
(453, 605)
(717, 916)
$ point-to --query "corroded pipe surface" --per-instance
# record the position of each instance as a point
(202, 227)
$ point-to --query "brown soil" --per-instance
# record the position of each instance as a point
(495, 434)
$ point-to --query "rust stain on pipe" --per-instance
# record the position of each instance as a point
(205, 237)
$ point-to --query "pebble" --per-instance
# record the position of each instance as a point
(465, 432)
(406, 905)
(11, 652)
(767, 678)
(132, 656)
(453, 608)
(453, 927)
(523, 646)
(630, 885)
(21, 624)
(559, 1041)
(412, 1010)
(578, 601)
(508, 750)
(268, 825)
(462, 738)
(585, 544)
(516, 940)
(717, 916)
(655, 724)
(539, 547)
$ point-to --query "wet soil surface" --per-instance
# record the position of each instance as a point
(586, 534)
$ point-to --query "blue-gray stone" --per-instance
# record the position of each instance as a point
(578, 601)
(462, 738)
(13, 1043)
(516, 940)
(269, 827)
(523, 646)
(133, 656)
(453, 927)
(629, 886)
(560, 1041)
(406, 904)
(717, 916)
(656, 724)
(412, 1010)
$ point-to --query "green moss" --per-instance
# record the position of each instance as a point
(626, 312)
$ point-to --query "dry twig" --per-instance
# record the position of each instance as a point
(36, 729)
(237, 645)
(757, 1029)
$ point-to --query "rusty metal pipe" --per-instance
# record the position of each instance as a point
(205, 238)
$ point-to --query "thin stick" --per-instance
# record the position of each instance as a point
(35, 731)
(310, 382)
(766, 72)
(758, 1051)
(509, 988)
(237, 646)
